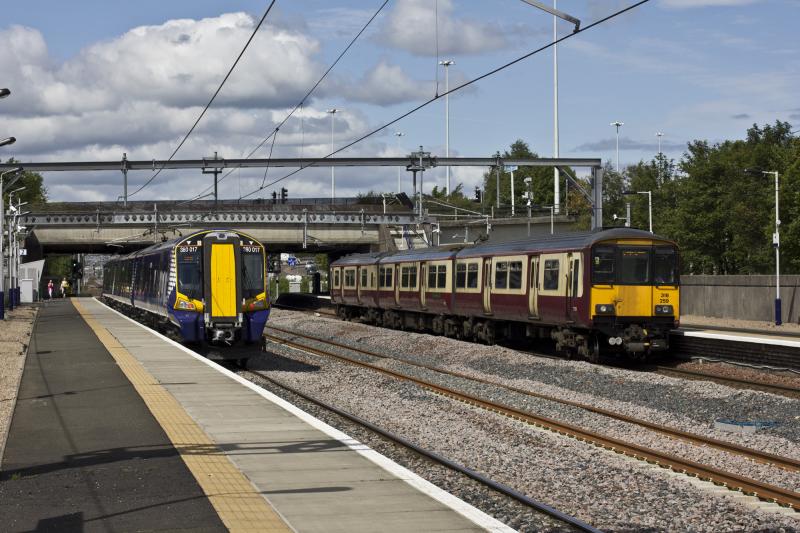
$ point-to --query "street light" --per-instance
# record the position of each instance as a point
(446, 63)
(399, 134)
(8, 140)
(617, 124)
(2, 218)
(776, 243)
(332, 112)
(15, 211)
(4, 92)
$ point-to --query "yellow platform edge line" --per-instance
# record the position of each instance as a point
(237, 502)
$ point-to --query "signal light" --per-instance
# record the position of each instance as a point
(284, 194)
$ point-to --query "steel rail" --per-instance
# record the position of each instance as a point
(499, 487)
(786, 463)
(783, 390)
(732, 481)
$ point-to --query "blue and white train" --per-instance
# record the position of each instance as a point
(208, 287)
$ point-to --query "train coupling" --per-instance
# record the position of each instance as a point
(222, 336)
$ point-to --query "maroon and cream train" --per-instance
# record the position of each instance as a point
(613, 290)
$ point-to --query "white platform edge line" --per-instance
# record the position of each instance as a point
(741, 338)
(426, 487)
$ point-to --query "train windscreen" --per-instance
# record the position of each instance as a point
(252, 271)
(634, 265)
(190, 271)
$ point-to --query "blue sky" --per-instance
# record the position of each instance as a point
(93, 79)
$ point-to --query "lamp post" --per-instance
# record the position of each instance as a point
(332, 112)
(446, 63)
(776, 243)
(7, 141)
(529, 197)
(398, 134)
(2, 219)
(12, 301)
(617, 124)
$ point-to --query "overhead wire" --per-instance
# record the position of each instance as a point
(304, 98)
(458, 88)
(208, 105)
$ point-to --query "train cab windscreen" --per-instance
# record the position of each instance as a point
(634, 265)
(252, 271)
(190, 271)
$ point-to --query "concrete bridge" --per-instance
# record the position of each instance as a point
(347, 226)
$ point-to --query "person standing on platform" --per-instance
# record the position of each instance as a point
(64, 287)
(50, 289)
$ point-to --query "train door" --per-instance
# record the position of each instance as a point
(573, 278)
(222, 278)
(487, 286)
(533, 288)
(361, 281)
(423, 284)
(397, 285)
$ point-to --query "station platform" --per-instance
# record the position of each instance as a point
(119, 428)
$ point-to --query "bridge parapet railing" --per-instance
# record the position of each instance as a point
(232, 218)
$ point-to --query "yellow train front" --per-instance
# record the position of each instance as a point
(634, 299)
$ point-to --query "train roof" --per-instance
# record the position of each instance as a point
(172, 242)
(563, 241)
(360, 259)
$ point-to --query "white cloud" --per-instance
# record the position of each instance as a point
(411, 27)
(386, 84)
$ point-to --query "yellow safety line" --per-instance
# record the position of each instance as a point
(237, 502)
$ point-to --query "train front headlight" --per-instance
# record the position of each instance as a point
(187, 306)
(604, 309)
(664, 310)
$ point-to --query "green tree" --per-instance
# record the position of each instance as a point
(35, 192)
(722, 216)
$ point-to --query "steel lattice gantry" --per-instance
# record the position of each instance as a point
(414, 161)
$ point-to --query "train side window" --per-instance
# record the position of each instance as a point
(350, 277)
(404, 277)
(363, 277)
(372, 280)
(412, 277)
(336, 278)
(501, 275)
(461, 276)
(442, 277)
(551, 267)
(515, 275)
(432, 270)
(534, 274)
(389, 276)
(472, 276)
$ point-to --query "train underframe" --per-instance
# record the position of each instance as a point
(234, 348)
(635, 339)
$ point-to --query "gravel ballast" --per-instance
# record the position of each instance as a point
(609, 491)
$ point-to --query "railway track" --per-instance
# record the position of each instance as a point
(782, 390)
(733, 481)
(501, 488)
